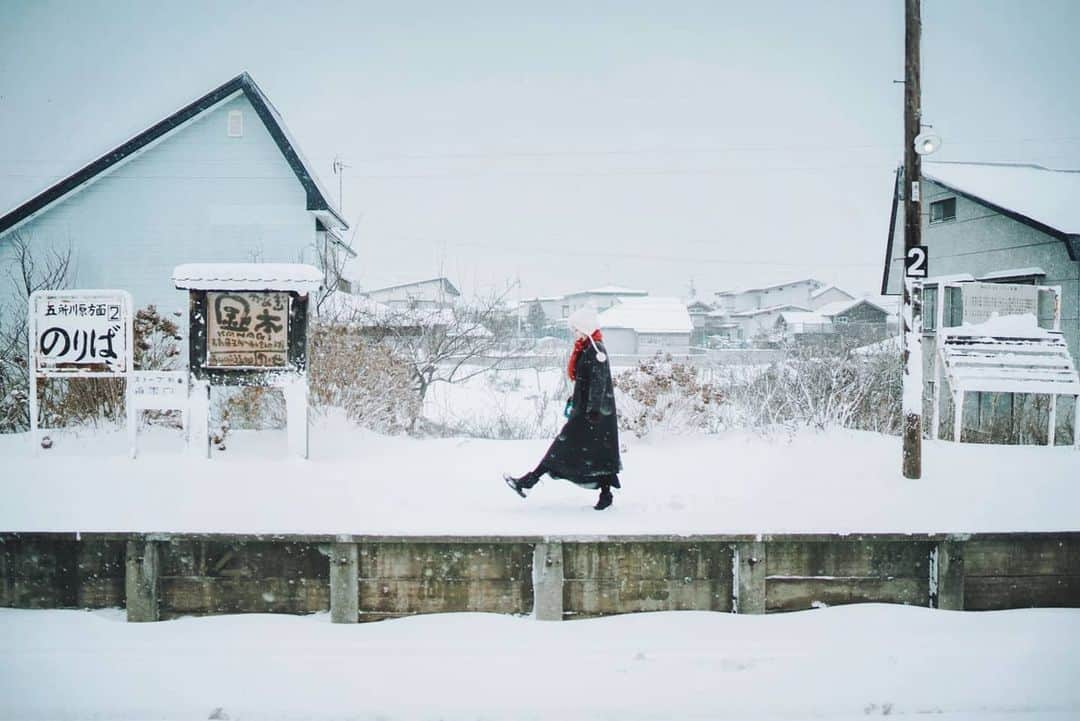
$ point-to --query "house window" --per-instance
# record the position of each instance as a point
(942, 210)
(236, 124)
(929, 304)
(565, 311)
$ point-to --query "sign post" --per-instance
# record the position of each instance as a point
(249, 328)
(80, 334)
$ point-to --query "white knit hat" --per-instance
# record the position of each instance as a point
(586, 321)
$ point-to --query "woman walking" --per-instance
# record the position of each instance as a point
(586, 451)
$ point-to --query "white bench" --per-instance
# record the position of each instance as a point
(1036, 363)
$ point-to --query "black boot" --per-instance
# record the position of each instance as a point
(605, 500)
(521, 483)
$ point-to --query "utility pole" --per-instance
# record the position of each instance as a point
(911, 317)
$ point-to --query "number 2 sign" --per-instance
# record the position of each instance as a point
(916, 262)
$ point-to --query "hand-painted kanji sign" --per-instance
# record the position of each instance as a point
(247, 329)
(79, 332)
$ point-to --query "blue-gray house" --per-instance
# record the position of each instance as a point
(220, 180)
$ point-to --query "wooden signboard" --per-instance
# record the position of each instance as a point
(247, 329)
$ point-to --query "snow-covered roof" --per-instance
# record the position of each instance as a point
(648, 315)
(1015, 272)
(797, 316)
(841, 306)
(447, 286)
(247, 276)
(772, 286)
(318, 200)
(768, 309)
(951, 278)
(346, 307)
(1045, 195)
(611, 290)
(823, 290)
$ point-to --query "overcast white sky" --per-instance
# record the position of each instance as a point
(574, 144)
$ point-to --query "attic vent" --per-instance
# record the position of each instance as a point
(236, 124)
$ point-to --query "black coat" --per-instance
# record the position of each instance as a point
(586, 451)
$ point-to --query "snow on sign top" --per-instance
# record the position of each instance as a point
(648, 315)
(247, 276)
(1042, 194)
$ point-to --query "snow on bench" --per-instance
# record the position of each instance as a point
(1009, 354)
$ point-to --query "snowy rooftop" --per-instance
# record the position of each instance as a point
(611, 290)
(840, 306)
(825, 289)
(767, 309)
(648, 315)
(773, 286)
(1049, 196)
(247, 276)
(1015, 272)
(796, 317)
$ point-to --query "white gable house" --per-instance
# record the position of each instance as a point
(219, 180)
(433, 293)
(646, 326)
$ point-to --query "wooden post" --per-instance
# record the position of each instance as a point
(344, 583)
(950, 576)
(548, 581)
(912, 311)
(199, 419)
(141, 581)
(936, 430)
(1076, 422)
(749, 568)
(958, 415)
(1051, 432)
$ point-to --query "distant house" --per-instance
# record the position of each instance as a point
(645, 326)
(599, 298)
(550, 310)
(220, 180)
(422, 294)
(760, 324)
(828, 294)
(751, 313)
(699, 316)
(855, 320)
(993, 223)
(794, 292)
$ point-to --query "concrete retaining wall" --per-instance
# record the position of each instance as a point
(367, 578)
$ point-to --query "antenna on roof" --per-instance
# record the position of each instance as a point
(339, 170)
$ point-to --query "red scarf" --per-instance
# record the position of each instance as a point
(579, 345)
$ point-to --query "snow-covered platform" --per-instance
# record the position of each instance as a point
(357, 482)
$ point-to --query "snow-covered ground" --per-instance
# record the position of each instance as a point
(844, 663)
(360, 482)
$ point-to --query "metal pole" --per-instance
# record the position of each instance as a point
(911, 317)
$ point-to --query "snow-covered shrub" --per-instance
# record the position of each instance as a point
(363, 377)
(818, 387)
(666, 395)
(157, 340)
(504, 404)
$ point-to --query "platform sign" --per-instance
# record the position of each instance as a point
(247, 330)
(981, 300)
(82, 332)
(917, 262)
(79, 334)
